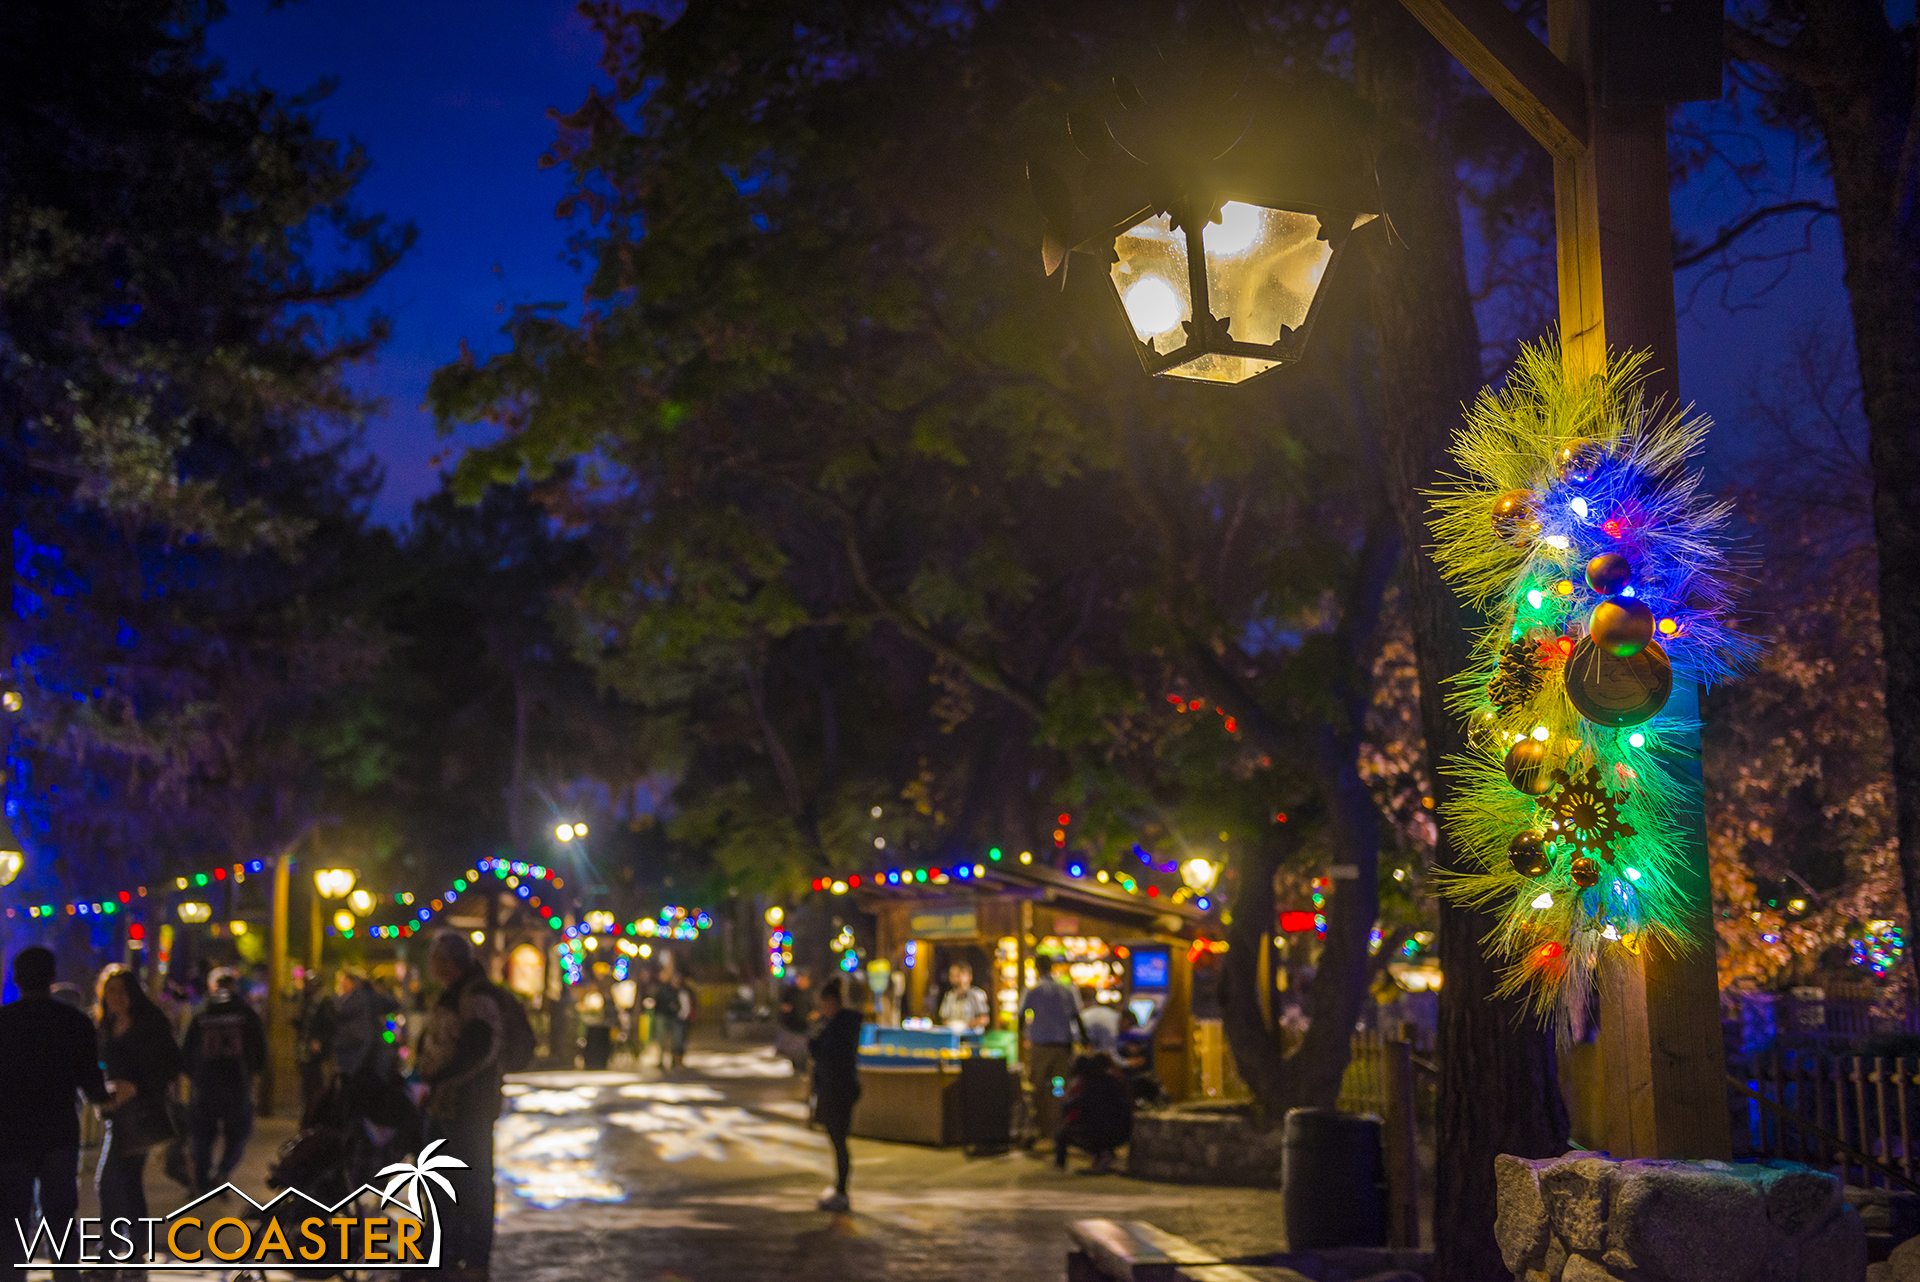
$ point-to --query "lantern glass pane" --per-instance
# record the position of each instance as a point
(1263, 268)
(1218, 367)
(1151, 278)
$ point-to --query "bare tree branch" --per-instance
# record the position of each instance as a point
(1734, 231)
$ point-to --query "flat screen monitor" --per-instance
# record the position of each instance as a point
(1150, 967)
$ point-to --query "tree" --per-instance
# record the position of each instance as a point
(880, 515)
(1842, 72)
(176, 438)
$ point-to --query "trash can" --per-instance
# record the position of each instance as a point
(1333, 1180)
(597, 1049)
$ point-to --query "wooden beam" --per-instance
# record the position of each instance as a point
(1536, 88)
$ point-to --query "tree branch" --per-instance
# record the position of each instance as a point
(1734, 231)
(1781, 60)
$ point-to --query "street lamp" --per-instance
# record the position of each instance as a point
(194, 912)
(1219, 220)
(12, 858)
(334, 883)
(362, 902)
(343, 921)
(1199, 874)
(328, 883)
(567, 832)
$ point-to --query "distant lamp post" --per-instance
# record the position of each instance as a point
(599, 920)
(193, 912)
(1199, 874)
(776, 915)
(328, 883)
(1218, 209)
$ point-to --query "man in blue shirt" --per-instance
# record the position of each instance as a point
(1049, 1026)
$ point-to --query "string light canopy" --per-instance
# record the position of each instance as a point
(1217, 210)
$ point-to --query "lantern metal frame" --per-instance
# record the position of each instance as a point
(1209, 335)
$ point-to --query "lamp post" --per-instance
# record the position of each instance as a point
(328, 883)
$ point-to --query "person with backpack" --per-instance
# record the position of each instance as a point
(225, 1046)
(463, 1059)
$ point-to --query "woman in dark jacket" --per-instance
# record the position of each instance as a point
(141, 1060)
(1097, 1114)
(836, 1082)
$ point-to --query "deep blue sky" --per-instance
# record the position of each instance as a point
(451, 104)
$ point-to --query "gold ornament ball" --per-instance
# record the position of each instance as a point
(1528, 854)
(1586, 872)
(1527, 767)
(1579, 459)
(1621, 626)
(1512, 513)
(1608, 573)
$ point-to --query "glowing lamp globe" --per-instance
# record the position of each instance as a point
(343, 921)
(1221, 296)
(334, 883)
(1217, 204)
(193, 913)
(1199, 874)
(11, 862)
(362, 902)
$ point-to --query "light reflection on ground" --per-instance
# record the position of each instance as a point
(579, 1099)
(671, 1092)
(755, 1063)
(682, 1131)
(562, 1079)
(550, 1164)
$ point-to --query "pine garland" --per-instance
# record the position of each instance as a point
(1557, 473)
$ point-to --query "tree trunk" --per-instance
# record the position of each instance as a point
(1499, 1088)
(1864, 99)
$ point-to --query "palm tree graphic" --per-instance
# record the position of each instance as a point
(410, 1177)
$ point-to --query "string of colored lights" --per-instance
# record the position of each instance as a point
(1075, 867)
(123, 899)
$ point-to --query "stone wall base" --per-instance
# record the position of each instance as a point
(1586, 1218)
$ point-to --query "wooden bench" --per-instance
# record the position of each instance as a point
(1135, 1251)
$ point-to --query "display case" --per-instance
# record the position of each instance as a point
(909, 1080)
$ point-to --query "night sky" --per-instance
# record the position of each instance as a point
(451, 104)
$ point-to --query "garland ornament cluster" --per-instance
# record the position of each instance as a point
(1579, 531)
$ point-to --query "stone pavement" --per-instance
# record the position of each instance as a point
(710, 1175)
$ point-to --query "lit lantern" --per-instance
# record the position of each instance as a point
(1199, 874)
(1219, 215)
(193, 912)
(13, 857)
(334, 883)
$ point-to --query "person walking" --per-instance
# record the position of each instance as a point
(49, 1056)
(459, 1061)
(225, 1046)
(141, 1061)
(360, 1014)
(964, 1007)
(836, 1082)
(1049, 1019)
(684, 1002)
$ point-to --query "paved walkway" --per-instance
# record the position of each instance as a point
(710, 1175)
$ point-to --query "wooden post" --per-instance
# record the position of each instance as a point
(1174, 1057)
(1403, 1154)
(280, 1075)
(316, 929)
(1660, 1014)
